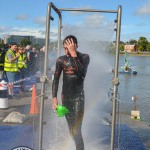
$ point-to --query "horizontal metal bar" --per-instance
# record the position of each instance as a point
(87, 10)
(55, 8)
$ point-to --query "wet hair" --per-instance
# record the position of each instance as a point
(71, 37)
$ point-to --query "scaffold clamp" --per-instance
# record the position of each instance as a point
(115, 81)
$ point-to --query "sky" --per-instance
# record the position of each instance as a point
(28, 17)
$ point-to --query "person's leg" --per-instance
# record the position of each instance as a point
(11, 79)
(74, 119)
(1, 74)
(11, 90)
(22, 75)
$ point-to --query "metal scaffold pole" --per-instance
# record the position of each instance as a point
(44, 77)
(115, 80)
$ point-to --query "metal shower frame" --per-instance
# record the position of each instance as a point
(44, 78)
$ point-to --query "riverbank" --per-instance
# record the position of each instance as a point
(136, 53)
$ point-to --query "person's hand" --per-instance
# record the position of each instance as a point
(71, 46)
(54, 103)
(17, 55)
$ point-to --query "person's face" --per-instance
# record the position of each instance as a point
(14, 47)
(20, 50)
(33, 49)
(66, 51)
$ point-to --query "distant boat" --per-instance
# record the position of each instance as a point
(126, 69)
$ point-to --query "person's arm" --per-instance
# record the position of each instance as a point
(55, 83)
(11, 58)
(28, 56)
(81, 64)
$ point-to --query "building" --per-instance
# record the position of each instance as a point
(130, 48)
(39, 41)
(18, 38)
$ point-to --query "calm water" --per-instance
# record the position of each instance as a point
(138, 85)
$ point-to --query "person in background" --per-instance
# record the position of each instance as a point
(74, 66)
(11, 67)
(2, 59)
(22, 66)
(6, 47)
(32, 59)
(41, 60)
(27, 52)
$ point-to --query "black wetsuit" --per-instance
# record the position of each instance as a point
(74, 72)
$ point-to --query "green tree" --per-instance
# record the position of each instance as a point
(132, 41)
(140, 48)
(121, 42)
(148, 47)
(121, 47)
(25, 42)
(142, 42)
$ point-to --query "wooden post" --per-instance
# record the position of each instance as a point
(134, 100)
(135, 114)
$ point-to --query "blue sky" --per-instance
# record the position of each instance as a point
(27, 17)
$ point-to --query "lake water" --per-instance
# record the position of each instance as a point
(138, 85)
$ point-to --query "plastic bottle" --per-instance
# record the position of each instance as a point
(61, 111)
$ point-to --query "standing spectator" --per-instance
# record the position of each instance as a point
(28, 50)
(32, 58)
(41, 60)
(6, 47)
(21, 67)
(2, 58)
(11, 67)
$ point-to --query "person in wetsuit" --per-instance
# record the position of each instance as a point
(74, 66)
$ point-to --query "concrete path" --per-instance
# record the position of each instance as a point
(55, 132)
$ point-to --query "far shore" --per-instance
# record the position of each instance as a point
(136, 53)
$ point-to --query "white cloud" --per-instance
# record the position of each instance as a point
(38, 32)
(80, 12)
(94, 20)
(24, 31)
(144, 10)
(40, 21)
(4, 28)
(20, 31)
(21, 17)
(93, 27)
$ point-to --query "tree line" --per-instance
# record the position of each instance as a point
(142, 44)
